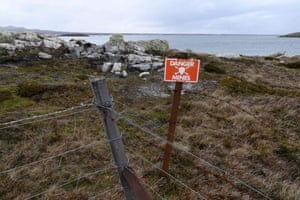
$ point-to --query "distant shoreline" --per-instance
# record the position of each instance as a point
(294, 35)
(74, 35)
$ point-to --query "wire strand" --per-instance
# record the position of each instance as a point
(171, 176)
(106, 191)
(52, 157)
(45, 119)
(71, 181)
(198, 158)
(46, 115)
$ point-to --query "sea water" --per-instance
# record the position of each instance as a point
(250, 45)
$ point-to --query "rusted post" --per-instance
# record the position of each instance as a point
(172, 127)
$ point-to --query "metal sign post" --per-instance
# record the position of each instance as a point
(179, 71)
(172, 127)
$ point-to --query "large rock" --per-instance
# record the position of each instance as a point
(157, 65)
(53, 42)
(106, 67)
(7, 37)
(29, 36)
(133, 47)
(141, 67)
(6, 48)
(154, 46)
(116, 44)
(136, 59)
(117, 68)
(74, 48)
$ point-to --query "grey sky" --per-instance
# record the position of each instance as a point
(155, 16)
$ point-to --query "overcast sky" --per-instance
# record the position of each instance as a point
(155, 16)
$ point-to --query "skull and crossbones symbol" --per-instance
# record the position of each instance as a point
(181, 70)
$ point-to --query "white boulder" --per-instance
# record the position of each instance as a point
(230, 56)
(136, 59)
(141, 67)
(106, 67)
(117, 68)
(44, 55)
(124, 74)
(53, 42)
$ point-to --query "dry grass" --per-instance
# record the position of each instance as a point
(241, 124)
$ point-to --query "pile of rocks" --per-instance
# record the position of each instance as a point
(115, 56)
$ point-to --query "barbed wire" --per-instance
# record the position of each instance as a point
(45, 119)
(106, 191)
(220, 170)
(46, 115)
(52, 157)
(71, 181)
(168, 174)
(149, 185)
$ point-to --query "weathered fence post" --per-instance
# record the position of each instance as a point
(104, 103)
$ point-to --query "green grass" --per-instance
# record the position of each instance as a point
(16, 103)
(5, 95)
(252, 148)
(237, 85)
(214, 67)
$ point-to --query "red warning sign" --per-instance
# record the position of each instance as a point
(181, 70)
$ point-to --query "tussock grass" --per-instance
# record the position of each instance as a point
(213, 67)
(236, 85)
(248, 128)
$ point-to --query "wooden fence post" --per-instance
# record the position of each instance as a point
(104, 103)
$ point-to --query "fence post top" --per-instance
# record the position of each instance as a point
(98, 78)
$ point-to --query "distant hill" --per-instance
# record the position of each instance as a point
(64, 33)
(23, 29)
(296, 34)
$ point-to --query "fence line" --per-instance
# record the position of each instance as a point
(106, 191)
(45, 119)
(57, 114)
(153, 190)
(46, 115)
(168, 174)
(152, 187)
(52, 157)
(220, 170)
(71, 181)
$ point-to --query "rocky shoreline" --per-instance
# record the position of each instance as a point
(115, 56)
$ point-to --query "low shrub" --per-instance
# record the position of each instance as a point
(292, 65)
(288, 153)
(29, 88)
(236, 85)
(214, 67)
(241, 86)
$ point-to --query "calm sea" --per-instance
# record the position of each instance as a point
(242, 44)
